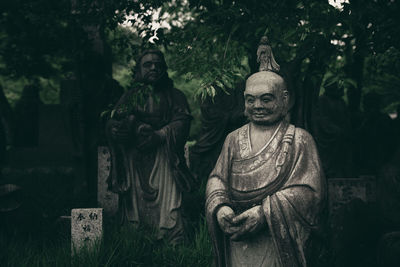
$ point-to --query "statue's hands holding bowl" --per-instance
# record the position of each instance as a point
(148, 138)
(224, 217)
(121, 130)
(250, 221)
(118, 130)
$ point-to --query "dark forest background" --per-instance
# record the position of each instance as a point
(206, 42)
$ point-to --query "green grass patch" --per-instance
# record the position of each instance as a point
(48, 244)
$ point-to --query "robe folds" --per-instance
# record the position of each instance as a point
(150, 183)
(285, 178)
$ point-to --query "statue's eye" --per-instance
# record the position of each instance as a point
(147, 64)
(266, 99)
(250, 100)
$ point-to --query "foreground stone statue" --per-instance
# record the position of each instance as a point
(147, 134)
(265, 194)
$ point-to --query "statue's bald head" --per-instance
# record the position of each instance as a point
(265, 80)
(266, 93)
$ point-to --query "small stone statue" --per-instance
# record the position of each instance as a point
(265, 57)
(147, 134)
(265, 194)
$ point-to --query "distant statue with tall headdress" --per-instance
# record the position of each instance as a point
(265, 57)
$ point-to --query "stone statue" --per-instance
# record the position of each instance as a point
(147, 134)
(333, 132)
(265, 194)
(220, 115)
(376, 136)
(26, 112)
(265, 56)
(6, 128)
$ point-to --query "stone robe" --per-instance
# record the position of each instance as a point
(284, 177)
(150, 183)
(220, 115)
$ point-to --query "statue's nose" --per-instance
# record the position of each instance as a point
(257, 103)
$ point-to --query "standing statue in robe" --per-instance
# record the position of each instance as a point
(266, 193)
(333, 132)
(265, 56)
(147, 134)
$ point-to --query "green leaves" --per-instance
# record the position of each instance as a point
(135, 100)
(218, 81)
(382, 76)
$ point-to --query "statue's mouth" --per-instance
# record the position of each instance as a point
(152, 74)
(262, 113)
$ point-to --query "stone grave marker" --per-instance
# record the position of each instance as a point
(86, 228)
(105, 198)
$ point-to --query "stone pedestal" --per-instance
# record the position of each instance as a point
(105, 199)
(86, 228)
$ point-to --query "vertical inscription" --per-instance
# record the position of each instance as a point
(86, 228)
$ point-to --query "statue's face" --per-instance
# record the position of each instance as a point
(266, 98)
(151, 68)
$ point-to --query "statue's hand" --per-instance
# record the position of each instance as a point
(118, 130)
(251, 222)
(148, 138)
(224, 217)
(144, 129)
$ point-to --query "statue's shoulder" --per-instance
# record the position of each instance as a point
(241, 130)
(239, 133)
(178, 94)
(303, 136)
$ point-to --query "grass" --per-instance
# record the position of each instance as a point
(48, 244)
(34, 236)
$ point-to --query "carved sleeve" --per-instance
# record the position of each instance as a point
(179, 125)
(217, 193)
(294, 210)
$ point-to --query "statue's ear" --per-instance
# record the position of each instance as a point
(136, 72)
(286, 94)
(286, 98)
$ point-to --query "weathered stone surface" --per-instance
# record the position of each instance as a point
(267, 185)
(105, 198)
(86, 228)
(146, 134)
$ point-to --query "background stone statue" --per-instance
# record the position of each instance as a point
(219, 116)
(266, 193)
(333, 132)
(147, 133)
(6, 129)
(27, 117)
(376, 136)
